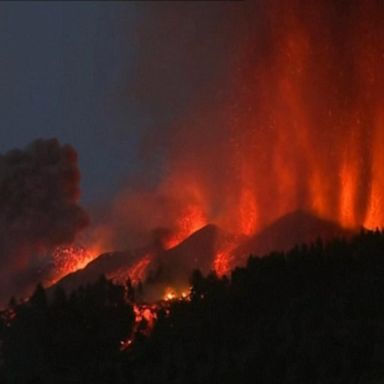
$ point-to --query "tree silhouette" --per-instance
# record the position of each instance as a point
(314, 314)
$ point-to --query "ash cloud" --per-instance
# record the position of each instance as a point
(39, 210)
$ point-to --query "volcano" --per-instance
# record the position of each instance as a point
(159, 269)
(196, 251)
(173, 267)
(289, 230)
(109, 264)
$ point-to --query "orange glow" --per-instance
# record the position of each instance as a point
(71, 258)
(301, 128)
(221, 264)
(304, 128)
(248, 212)
(172, 294)
(145, 313)
(136, 272)
(308, 127)
(375, 211)
(192, 220)
(145, 319)
(347, 195)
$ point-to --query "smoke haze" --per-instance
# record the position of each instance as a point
(39, 192)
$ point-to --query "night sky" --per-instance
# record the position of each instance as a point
(111, 79)
(62, 69)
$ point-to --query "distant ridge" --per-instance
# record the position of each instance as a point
(105, 264)
(174, 266)
(289, 230)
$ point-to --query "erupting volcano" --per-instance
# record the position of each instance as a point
(261, 110)
(297, 126)
(230, 225)
(295, 123)
(302, 127)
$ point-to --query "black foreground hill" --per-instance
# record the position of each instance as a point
(314, 314)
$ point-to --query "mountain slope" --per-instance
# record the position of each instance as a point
(289, 230)
(173, 267)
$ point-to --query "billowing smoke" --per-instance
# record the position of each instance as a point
(39, 192)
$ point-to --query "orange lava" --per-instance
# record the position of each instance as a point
(221, 264)
(303, 127)
(145, 319)
(192, 219)
(71, 258)
(172, 294)
(147, 314)
(138, 270)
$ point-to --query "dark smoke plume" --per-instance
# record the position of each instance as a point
(39, 210)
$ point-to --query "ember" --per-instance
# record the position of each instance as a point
(68, 259)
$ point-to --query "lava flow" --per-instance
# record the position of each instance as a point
(68, 259)
(146, 314)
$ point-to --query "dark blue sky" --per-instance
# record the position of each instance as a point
(117, 80)
(62, 69)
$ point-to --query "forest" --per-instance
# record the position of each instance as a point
(314, 314)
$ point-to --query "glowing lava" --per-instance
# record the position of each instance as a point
(193, 218)
(136, 272)
(172, 294)
(300, 127)
(221, 264)
(71, 258)
(146, 314)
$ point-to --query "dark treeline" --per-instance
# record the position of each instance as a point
(314, 314)
(71, 339)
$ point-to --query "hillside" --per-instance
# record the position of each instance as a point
(289, 230)
(313, 314)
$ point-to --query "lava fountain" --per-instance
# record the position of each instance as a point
(302, 125)
(296, 121)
